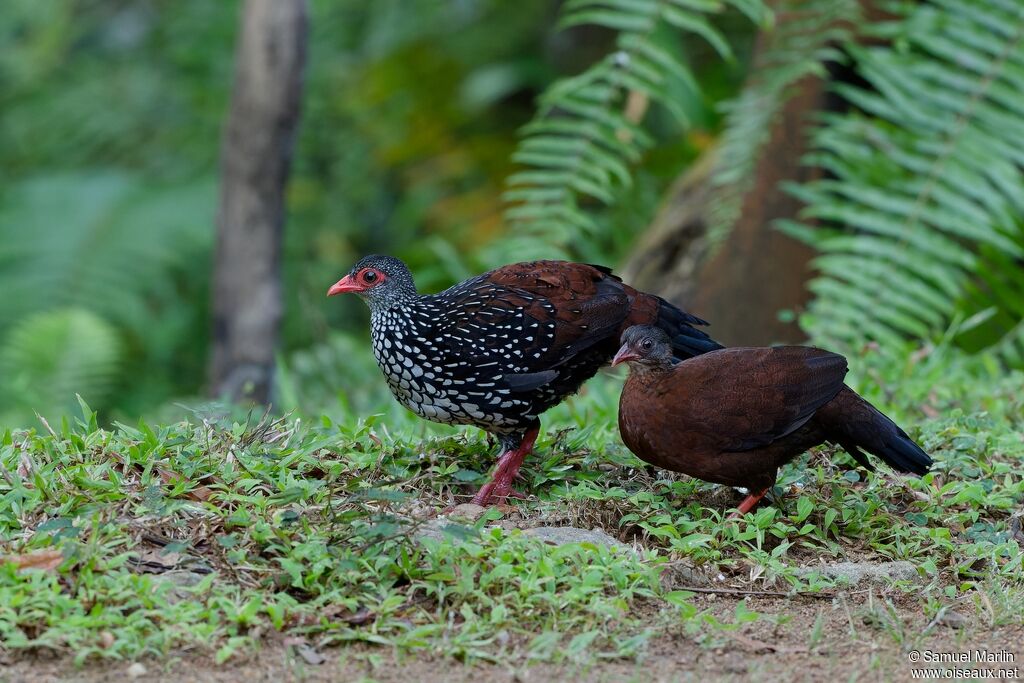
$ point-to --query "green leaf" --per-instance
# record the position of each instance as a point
(620, 21)
(52, 359)
(580, 144)
(466, 475)
(928, 184)
(699, 25)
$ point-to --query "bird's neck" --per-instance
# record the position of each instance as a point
(648, 375)
(398, 314)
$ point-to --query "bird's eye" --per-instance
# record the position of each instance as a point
(369, 276)
(646, 344)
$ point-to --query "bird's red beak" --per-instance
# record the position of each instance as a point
(345, 284)
(624, 354)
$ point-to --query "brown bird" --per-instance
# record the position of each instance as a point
(499, 349)
(734, 416)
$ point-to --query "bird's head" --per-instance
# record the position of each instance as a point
(381, 281)
(644, 345)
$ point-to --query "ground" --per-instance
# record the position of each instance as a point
(258, 548)
(842, 651)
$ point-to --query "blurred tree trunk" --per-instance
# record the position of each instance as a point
(743, 283)
(255, 160)
(758, 271)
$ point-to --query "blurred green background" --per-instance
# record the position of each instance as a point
(109, 142)
(411, 116)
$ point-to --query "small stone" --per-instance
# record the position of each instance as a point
(309, 654)
(951, 619)
(467, 512)
(442, 530)
(676, 574)
(873, 572)
(181, 581)
(136, 670)
(561, 535)
(735, 666)
(1017, 527)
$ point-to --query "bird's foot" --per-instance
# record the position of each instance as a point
(495, 492)
(500, 486)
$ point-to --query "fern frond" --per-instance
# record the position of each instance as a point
(928, 181)
(108, 246)
(49, 357)
(796, 48)
(101, 242)
(585, 137)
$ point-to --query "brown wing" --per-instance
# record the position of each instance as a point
(529, 319)
(740, 399)
(535, 317)
(582, 304)
(592, 304)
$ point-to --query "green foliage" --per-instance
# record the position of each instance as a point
(108, 150)
(102, 241)
(926, 176)
(48, 357)
(304, 529)
(100, 85)
(406, 136)
(587, 133)
(114, 260)
(789, 51)
(109, 147)
(288, 528)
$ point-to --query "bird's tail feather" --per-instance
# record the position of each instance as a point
(902, 454)
(857, 425)
(687, 340)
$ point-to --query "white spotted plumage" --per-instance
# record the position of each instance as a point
(446, 357)
(494, 351)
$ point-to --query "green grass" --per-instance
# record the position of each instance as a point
(213, 533)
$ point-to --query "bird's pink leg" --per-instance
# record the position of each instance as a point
(500, 486)
(748, 504)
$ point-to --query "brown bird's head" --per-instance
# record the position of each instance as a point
(644, 345)
(382, 281)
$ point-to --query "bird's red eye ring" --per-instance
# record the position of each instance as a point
(369, 276)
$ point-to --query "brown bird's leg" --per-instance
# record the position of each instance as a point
(509, 463)
(748, 503)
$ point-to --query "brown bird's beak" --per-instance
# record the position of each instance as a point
(345, 284)
(624, 354)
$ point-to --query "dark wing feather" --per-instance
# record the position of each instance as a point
(681, 327)
(529, 381)
(531, 318)
(743, 399)
(581, 305)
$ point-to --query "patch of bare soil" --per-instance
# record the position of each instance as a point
(854, 637)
